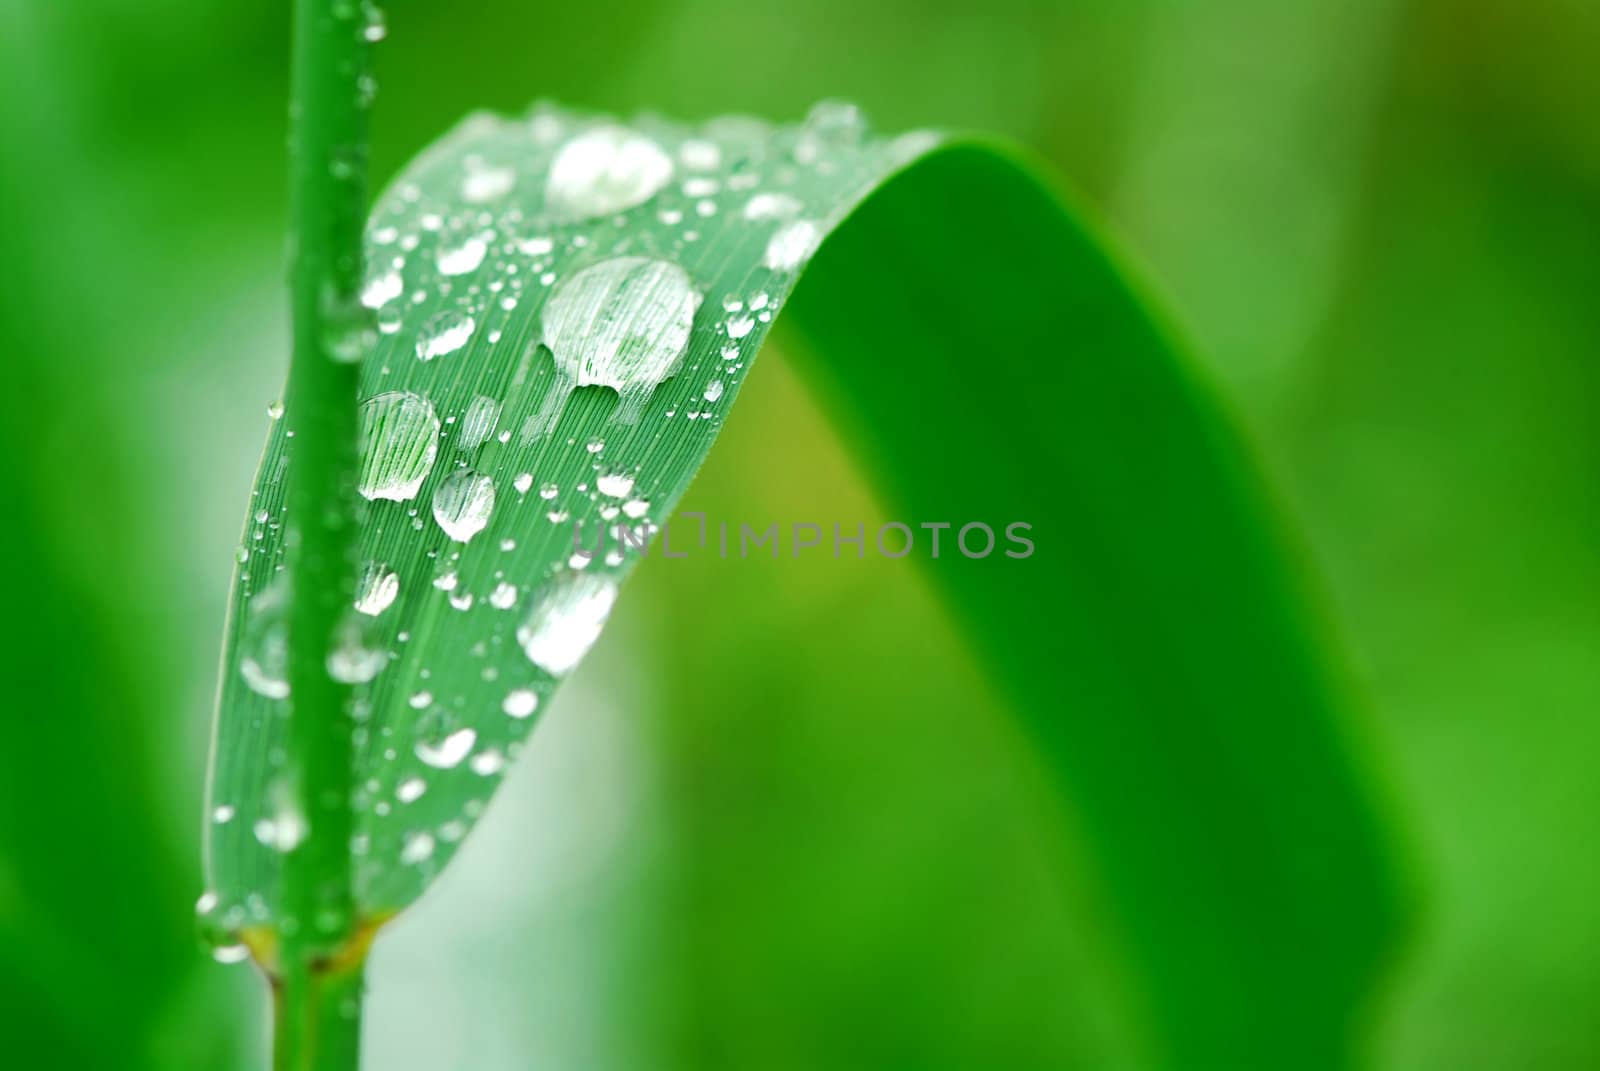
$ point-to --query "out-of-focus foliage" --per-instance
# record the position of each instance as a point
(1379, 220)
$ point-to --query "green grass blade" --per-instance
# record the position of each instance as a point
(993, 365)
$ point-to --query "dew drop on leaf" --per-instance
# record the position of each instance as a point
(520, 703)
(447, 752)
(445, 332)
(623, 324)
(376, 588)
(264, 644)
(462, 504)
(605, 170)
(792, 245)
(399, 441)
(567, 616)
(463, 258)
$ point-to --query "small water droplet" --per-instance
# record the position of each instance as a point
(382, 289)
(448, 752)
(354, 658)
(488, 763)
(476, 427)
(765, 206)
(418, 848)
(223, 814)
(615, 485)
(483, 183)
(376, 588)
(230, 954)
(462, 504)
(410, 790)
(463, 258)
(713, 390)
(520, 703)
(792, 245)
(523, 481)
(264, 644)
(445, 332)
(504, 596)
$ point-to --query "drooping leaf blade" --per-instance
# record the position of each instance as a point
(566, 308)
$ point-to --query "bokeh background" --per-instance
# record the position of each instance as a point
(811, 838)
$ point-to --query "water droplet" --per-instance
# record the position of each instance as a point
(829, 124)
(548, 491)
(399, 441)
(566, 619)
(418, 848)
(410, 790)
(792, 245)
(478, 424)
(603, 171)
(264, 644)
(462, 504)
(374, 28)
(420, 700)
(740, 326)
(463, 258)
(615, 485)
(487, 763)
(223, 814)
(520, 703)
(504, 596)
(523, 481)
(354, 658)
(713, 390)
(771, 206)
(376, 588)
(448, 752)
(445, 332)
(484, 184)
(635, 508)
(230, 953)
(382, 289)
(623, 324)
(274, 410)
(700, 155)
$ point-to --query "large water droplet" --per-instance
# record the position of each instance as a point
(399, 441)
(445, 332)
(462, 504)
(605, 170)
(623, 324)
(567, 617)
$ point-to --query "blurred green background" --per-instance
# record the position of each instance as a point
(825, 846)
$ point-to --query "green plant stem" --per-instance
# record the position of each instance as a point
(318, 1017)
